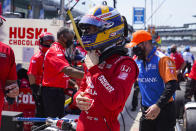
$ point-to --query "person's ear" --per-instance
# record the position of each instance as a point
(63, 38)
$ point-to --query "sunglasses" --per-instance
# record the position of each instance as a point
(140, 44)
(138, 47)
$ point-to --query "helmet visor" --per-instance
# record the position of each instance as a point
(46, 44)
(48, 38)
(92, 20)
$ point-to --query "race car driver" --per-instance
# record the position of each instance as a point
(110, 73)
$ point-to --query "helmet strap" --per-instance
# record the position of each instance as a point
(120, 50)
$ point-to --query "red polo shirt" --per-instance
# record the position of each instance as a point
(7, 70)
(192, 74)
(54, 62)
(177, 59)
(36, 67)
(1, 103)
(7, 65)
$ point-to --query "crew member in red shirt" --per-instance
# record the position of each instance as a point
(35, 72)
(8, 76)
(191, 85)
(110, 73)
(57, 72)
(179, 62)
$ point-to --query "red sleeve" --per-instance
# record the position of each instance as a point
(115, 87)
(33, 66)
(12, 72)
(181, 59)
(57, 60)
(82, 88)
(192, 74)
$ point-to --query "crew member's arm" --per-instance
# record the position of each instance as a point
(11, 84)
(57, 60)
(12, 88)
(168, 73)
(31, 79)
(32, 72)
(181, 67)
(170, 88)
(73, 84)
(73, 72)
(34, 87)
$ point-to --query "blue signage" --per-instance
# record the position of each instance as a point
(138, 15)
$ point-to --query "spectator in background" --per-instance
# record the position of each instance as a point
(168, 51)
(8, 75)
(191, 85)
(57, 72)
(157, 82)
(23, 80)
(179, 62)
(35, 72)
(188, 58)
(18, 67)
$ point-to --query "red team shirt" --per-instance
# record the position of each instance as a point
(108, 85)
(177, 59)
(192, 74)
(54, 62)
(8, 70)
(36, 67)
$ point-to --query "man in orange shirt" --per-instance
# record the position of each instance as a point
(157, 82)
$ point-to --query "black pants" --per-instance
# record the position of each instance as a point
(135, 95)
(190, 90)
(39, 110)
(165, 121)
(188, 66)
(53, 99)
(39, 105)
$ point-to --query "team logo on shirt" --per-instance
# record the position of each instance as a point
(3, 55)
(105, 83)
(59, 54)
(125, 68)
(89, 82)
(171, 66)
(90, 88)
(33, 61)
(169, 63)
(148, 80)
(172, 71)
(151, 67)
(123, 75)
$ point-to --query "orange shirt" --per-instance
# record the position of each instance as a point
(167, 69)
